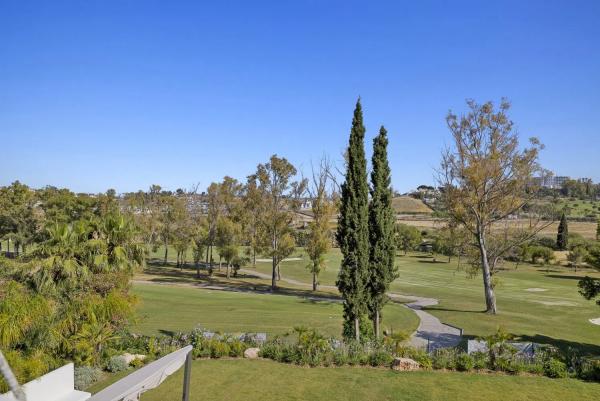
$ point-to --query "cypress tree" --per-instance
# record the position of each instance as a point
(598, 230)
(352, 232)
(381, 231)
(562, 238)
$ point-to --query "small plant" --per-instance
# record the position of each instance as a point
(555, 368)
(480, 360)
(380, 357)
(137, 363)
(444, 358)
(464, 362)
(116, 364)
(85, 376)
(219, 349)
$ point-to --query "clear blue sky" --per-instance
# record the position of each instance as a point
(123, 94)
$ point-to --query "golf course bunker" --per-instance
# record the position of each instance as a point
(556, 303)
(595, 321)
(536, 289)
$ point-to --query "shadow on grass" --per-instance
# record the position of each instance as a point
(566, 276)
(433, 262)
(248, 283)
(563, 345)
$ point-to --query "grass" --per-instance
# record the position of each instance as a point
(166, 309)
(263, 380)
(409, 205)
(558, 315)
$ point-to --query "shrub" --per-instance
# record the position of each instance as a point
(236, 348)
(137, 363)
(218, 349)
(480, 360)
(555, 368)
(116, 364)
(85, 376)
(464, 362)
(444, 358)
(591, 370)
(380, 357)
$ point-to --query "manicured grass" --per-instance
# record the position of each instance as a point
(166, 309)
(558, 315)
(263, 380)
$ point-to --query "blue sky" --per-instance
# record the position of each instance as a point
(125, 94)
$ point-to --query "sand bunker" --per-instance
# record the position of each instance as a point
(595, 321)
(557, 303)
(536, 289)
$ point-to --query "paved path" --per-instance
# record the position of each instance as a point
(431, 333)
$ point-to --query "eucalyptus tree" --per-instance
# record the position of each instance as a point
(323, 206)
(486, 178)
(281, 198)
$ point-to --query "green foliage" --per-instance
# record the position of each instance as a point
(555, 368)
(445, 358)
(562, 238)
(137, 363)
(219, 349)
(382, 252)
(380, 357)
(589, 288)
(541, 254)
(85, 376)
(116, 364)
(465, 362)
(352, 230)
(408, 238)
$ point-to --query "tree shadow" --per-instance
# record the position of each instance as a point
(568, 277)
(243, 282)
(433, 262)
(563, 345)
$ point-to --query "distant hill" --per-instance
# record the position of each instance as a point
(409, 205)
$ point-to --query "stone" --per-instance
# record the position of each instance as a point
(131, 357)
(405, 364)
(251, 353)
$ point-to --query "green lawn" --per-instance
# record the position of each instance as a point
(168, 308)
(263, 380)
(558, 315)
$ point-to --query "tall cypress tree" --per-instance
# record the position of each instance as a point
(352, 232)
(562, 238)
(381, 231)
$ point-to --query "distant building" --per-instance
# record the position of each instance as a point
(551, 181)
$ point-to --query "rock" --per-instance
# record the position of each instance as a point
(405, 364)
(251, 353)
(130, 357)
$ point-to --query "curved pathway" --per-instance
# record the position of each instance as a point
(431, 333)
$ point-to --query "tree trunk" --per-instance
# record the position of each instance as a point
(314, 281)
(253, 256)
(228, 270)
(274, 275)
(198, 269)
(278, 272)
(210, 260)
(490, 297)
(166, 252)
(10, 379)
(377, 324)
(356, 329)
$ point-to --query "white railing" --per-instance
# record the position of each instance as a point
(149, 377)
